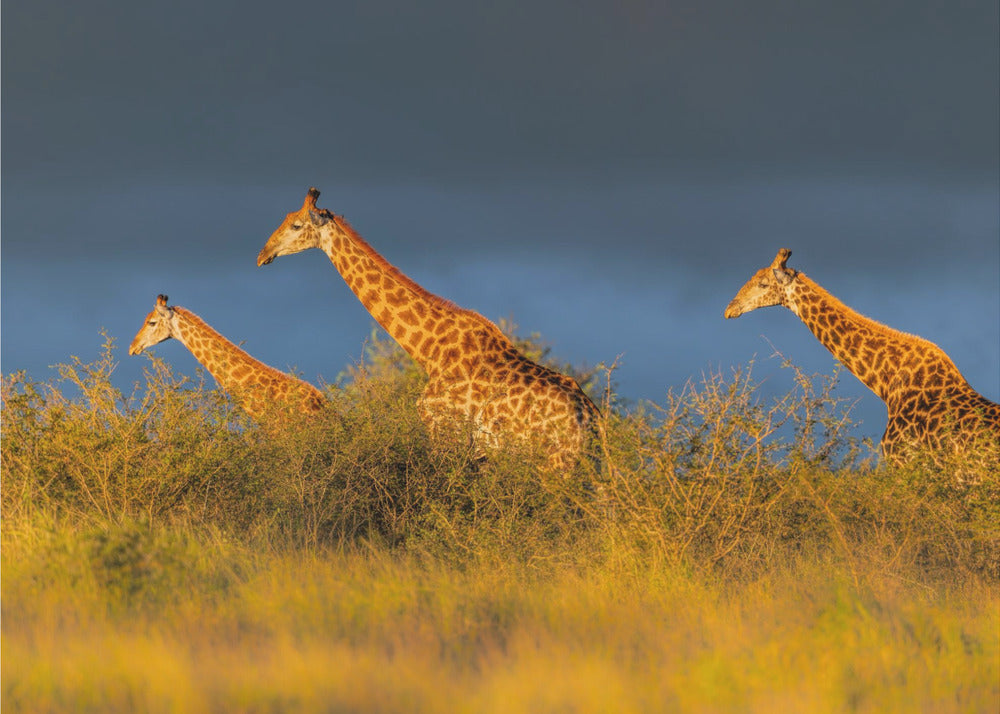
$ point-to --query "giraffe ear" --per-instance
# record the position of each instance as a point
(783, 277)
(161, 306)
(318, 217)
(782, 274)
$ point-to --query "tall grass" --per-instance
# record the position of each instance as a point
(727, 552)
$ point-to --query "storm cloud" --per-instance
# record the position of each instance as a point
(607, 174)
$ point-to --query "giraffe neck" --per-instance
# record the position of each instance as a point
(225, 361)
(884, 359)
(425, 325)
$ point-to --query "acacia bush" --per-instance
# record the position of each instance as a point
(721, 548)
(716, 477)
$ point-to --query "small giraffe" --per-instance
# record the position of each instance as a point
(256, 385)
(929, 403)
(475, 373)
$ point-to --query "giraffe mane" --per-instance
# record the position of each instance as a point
(875, 326)
(233, 349)
(405, 280)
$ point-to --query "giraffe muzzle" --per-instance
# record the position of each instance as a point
(263, 258)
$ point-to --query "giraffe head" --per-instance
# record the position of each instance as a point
(157, 328)
(768, 286)
(299, 231)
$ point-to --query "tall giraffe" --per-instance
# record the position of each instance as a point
(475, 373)
(929, 402)
(257, 386)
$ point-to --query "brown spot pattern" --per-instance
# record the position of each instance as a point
(473, 368)
(257, 386)
(929, 402)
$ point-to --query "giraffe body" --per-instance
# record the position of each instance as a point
(930, 404)
(257, 386)
(476, 376)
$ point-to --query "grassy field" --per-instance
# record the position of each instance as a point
(160, 553)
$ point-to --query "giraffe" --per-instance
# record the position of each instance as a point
(930, 405)
(476, 376)
(257, 386)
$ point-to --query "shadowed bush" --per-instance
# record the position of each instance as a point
(734, 540)
(715, 477)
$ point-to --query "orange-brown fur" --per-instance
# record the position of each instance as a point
(257, 386)
(475, 372)
(929, 403)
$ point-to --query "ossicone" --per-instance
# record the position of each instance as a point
(311, 197)
(781, 258)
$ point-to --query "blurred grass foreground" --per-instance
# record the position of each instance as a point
(729, 553)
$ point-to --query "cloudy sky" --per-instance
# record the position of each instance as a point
(605, 173)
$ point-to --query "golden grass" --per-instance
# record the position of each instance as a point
(160, 554)
(372, 632)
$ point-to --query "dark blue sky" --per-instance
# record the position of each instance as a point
(607, 174)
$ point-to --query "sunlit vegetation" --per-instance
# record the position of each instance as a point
(726, 552)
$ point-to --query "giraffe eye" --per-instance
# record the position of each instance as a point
(296, 226)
